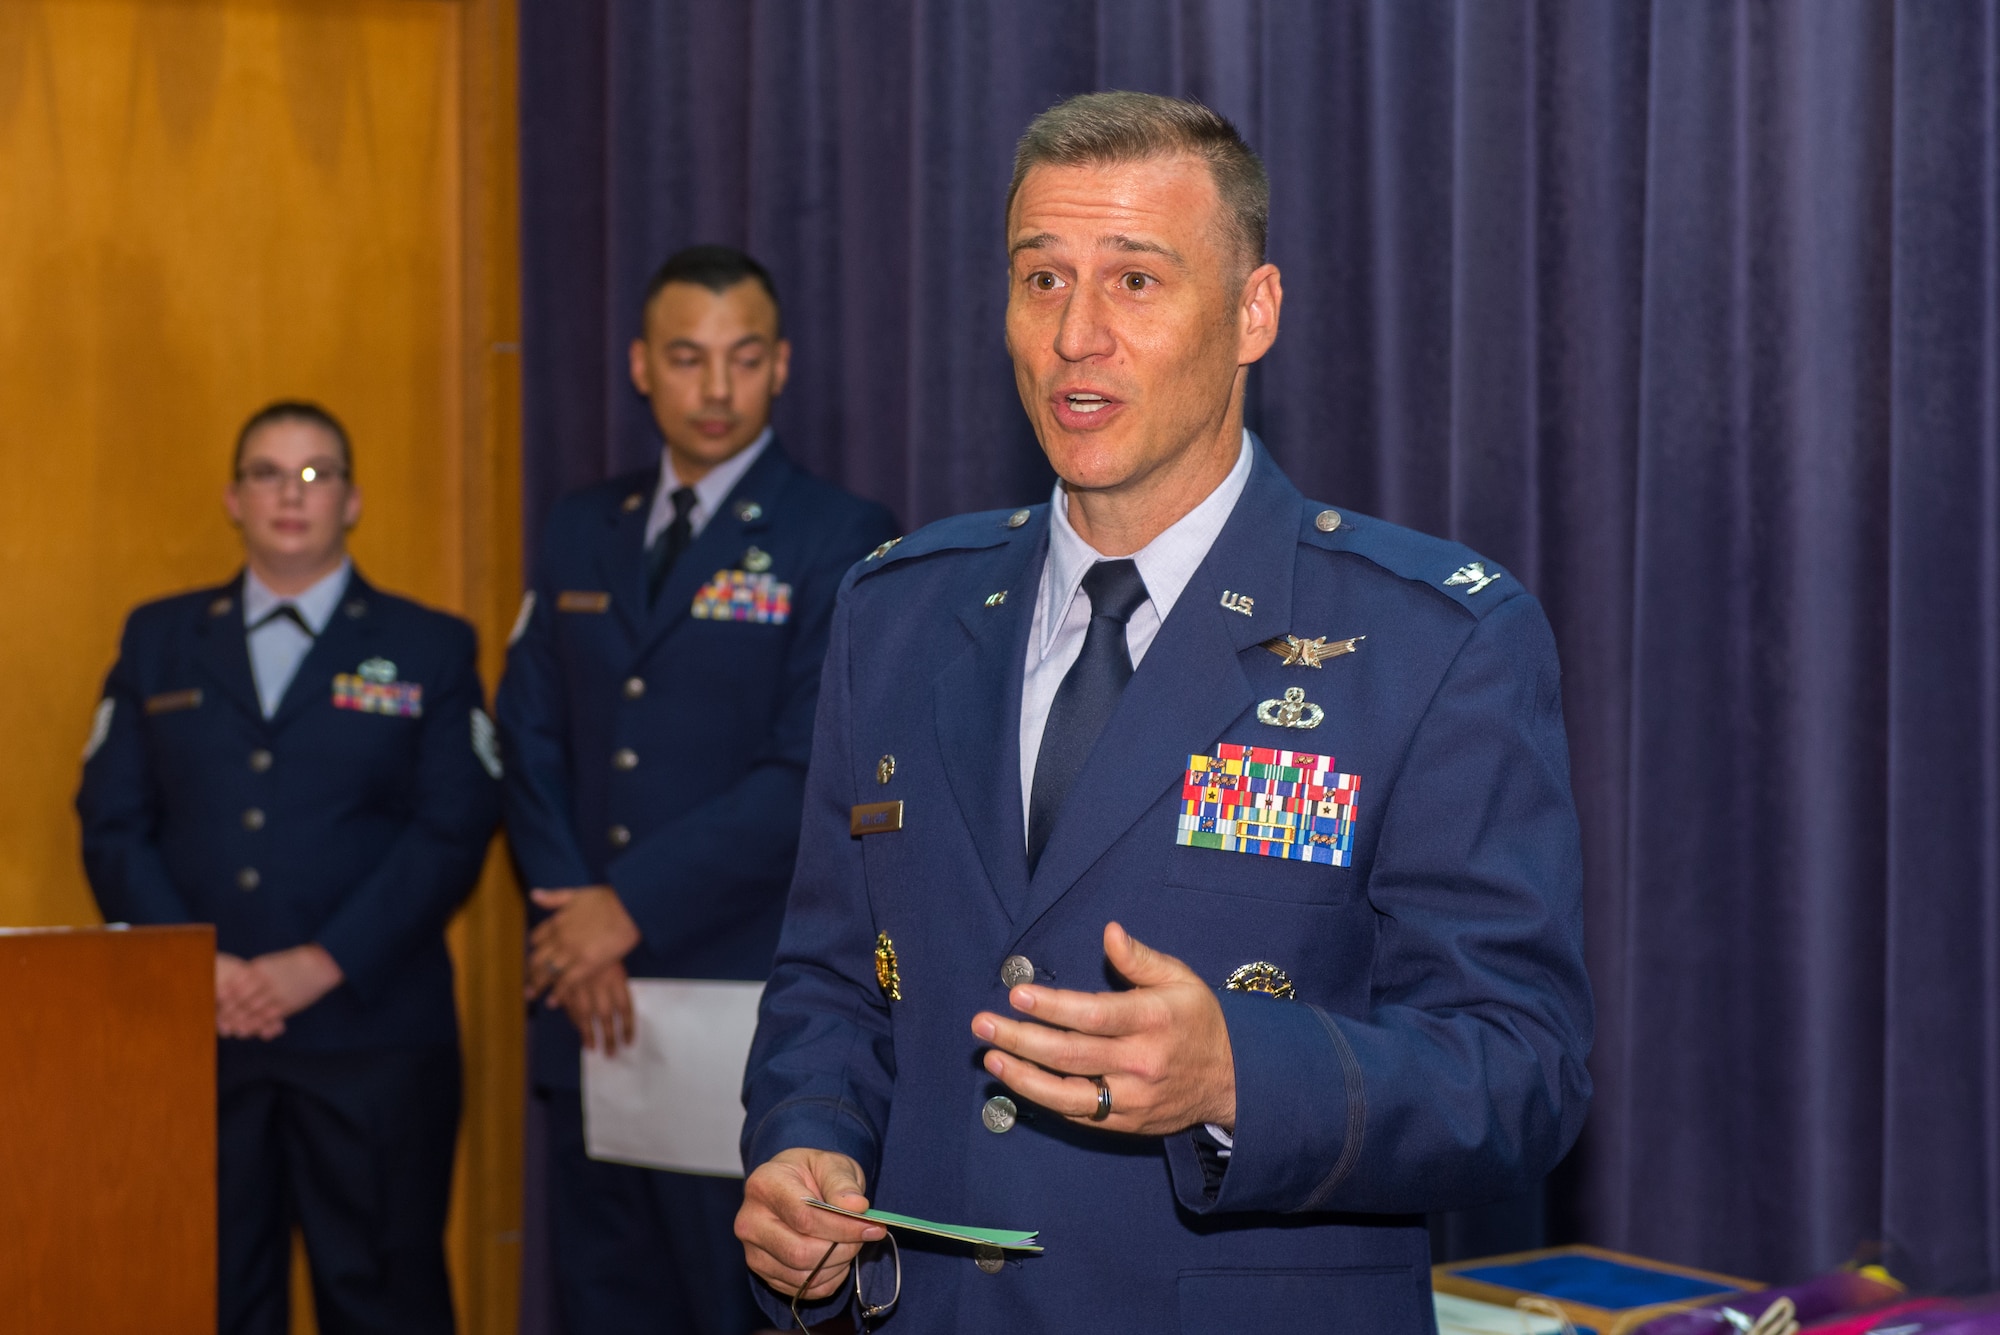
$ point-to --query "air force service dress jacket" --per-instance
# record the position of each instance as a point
(357, 816)
(1432, 1055)
(662, 750)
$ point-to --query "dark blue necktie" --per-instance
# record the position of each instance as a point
(667, 548)
(286, 612)
(1087, 695)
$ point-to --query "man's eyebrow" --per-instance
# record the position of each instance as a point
(692, 346)
(1136, 246)
(1130, 245)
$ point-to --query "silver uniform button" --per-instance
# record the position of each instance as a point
(624, 758)
(998, 1114)
(1018, 518)
(634, 687)
(1016, 970)
(247, 879)
(988, 1258)
(253, 818)
(1326, 521)
(620, 836)
(260, 760)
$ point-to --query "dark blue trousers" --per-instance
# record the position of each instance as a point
(354, 1149)
(639, 1251)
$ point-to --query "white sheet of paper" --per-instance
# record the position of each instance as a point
(1467, 1316)
(674, 1098)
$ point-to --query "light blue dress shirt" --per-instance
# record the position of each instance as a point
(709, 493)
(278, 647)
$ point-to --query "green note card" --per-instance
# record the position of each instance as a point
(1008, 1239)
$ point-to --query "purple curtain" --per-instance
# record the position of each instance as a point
(1688, 312)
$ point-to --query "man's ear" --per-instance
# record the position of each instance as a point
(642, 376)
(781, 366)
(232, 504)
(1257, 313)
(350, 510)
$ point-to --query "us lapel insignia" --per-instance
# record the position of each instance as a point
(632, 502)
(1264, 977)
(749, 512)
(1472, 573)
(996, 599)
(1238, 602)
(1270, 802)
(220, 607)
(886, 976)
(1294, 711)
(756, 560)
(738, 595)
(1311, 653)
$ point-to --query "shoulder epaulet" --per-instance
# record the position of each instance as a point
(1450, 568)
(987, 528)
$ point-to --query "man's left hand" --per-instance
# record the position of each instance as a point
(299, 976)
(586, 928)
(1162, 1048)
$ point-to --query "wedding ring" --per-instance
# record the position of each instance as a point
(1103, 1100)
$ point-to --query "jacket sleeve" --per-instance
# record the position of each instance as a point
(433, 865)
(533, 716)
(725, 861)
(119, 807)
(822, 1064)
(1469, 1067)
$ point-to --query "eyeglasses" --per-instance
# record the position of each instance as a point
(267, 476)
(869, 1311)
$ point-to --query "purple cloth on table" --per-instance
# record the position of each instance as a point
(1816, 1298)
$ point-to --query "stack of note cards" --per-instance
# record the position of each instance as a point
(1597, 1290)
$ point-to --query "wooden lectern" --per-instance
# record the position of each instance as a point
(107, 1130)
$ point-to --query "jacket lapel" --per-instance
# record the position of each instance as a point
(224, 651)
(621, 559)
(981, 744)
(720, 544)
(1189, 687)
(341, 647)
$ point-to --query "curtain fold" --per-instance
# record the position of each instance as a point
(1688, 313)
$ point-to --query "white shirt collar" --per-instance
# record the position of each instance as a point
(709, 493)
(316, 604)
(1166, 563)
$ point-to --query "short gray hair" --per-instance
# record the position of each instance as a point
(1132, 127)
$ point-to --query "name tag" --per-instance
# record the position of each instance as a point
(174, 700)
(875, 818)
(583, 600)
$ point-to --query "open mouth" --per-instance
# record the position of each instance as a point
(1086, 403)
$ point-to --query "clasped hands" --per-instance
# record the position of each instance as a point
(576, 958)
(1161, 1047)
(254, 997)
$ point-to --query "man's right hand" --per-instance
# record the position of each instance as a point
(784, 1238)
(599, 1004)
(246, 1005)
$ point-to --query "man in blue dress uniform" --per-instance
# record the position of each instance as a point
(304, 761)
(1189, 869)
(657, 712)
